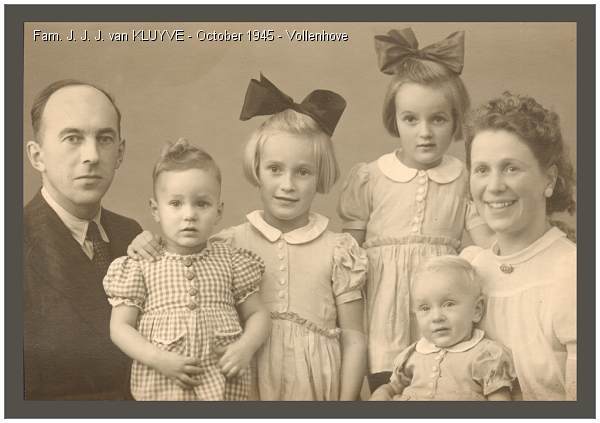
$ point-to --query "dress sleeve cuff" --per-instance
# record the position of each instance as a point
(354, 224)
(349, 296)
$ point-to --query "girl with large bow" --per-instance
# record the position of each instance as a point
(412, 203)
(314, 277)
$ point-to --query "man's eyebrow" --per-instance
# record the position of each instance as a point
(65, 131)
(107, 131)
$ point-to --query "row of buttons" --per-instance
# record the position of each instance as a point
(283, 275)
(435, 372)
(190, 275)
(421, 195)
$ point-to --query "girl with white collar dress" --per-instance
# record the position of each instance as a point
(412, 203)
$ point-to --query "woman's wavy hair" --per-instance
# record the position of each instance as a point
(539, 129)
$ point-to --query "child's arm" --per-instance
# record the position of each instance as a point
(257, 327)
(354, 349)
(386, 392)
(124, 334)
(145, 246)
(482, 235)
(571, 373)
(357, 234)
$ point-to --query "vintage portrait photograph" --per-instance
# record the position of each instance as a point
(225, 211)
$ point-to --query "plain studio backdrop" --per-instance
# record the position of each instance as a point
(195, 89)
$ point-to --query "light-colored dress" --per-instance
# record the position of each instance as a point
(533, 309)
(188, 306)
(308, 273)
(468, 371)
(408, 215)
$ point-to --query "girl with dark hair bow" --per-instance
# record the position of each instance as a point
(412, 203)
(314, 277)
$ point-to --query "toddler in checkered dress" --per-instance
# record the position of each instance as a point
(313, 278)
(178, 317)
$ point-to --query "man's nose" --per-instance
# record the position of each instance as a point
(89, 151)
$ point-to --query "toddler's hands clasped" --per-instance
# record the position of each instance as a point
(234, 358)
(179, 368)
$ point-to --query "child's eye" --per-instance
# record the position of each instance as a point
(409, 119)
(439, 120)
(203, 204)
(304, 172)
(449, 304)
(273, 168)
(480, 170)
(174, 203)
(511, 169)
(423, 308)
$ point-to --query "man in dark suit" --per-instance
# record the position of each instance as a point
(69, 240)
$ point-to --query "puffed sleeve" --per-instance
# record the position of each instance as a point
(402, 374)
(349, 269)
(247, 271)
(563, 299)
(354, 207)
(124, 283)
(226, 236)
(493, 368)
(472, 218)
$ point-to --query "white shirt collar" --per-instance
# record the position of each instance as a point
(447, 171)
(317, 224)
(77, 226)
(427, 347)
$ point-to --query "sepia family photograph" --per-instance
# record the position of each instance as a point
(264, 211)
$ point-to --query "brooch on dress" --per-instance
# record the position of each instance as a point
(506, 268)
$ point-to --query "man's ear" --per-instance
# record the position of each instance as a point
(479, 309)
(36, 156)
(154, 210)
(121, 153)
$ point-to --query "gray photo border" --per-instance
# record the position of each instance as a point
(16, 15)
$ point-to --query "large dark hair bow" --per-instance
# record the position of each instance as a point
(397, 46)
(264, 98)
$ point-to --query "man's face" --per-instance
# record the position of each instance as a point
(78, 148)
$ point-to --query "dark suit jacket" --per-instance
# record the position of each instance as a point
(68, 353)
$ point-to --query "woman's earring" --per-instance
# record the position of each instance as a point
(548, 192)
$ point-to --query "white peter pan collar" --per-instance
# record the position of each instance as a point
(317, 224)
(426, 347)
(447, 171)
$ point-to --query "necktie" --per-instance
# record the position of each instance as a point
(101, 249)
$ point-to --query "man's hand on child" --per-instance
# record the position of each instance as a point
(179, 368)
(145, 246)
(235, 359)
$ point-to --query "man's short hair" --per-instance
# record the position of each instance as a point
(39, 104)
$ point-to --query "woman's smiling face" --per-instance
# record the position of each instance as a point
(508, 184)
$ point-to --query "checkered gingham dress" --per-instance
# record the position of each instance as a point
(188, 306)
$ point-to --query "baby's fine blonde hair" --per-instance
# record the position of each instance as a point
(448, 262)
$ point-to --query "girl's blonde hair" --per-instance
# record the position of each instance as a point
(431, 74)
(295, 123)
(448, 262)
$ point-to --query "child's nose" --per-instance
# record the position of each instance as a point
(287, 183)
(425, 130)
(437, 315)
